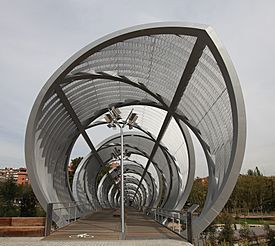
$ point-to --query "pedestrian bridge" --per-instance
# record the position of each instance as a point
(106, 225)
(164, 86)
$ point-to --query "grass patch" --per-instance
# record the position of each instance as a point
(256, 221)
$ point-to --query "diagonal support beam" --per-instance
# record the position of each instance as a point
(74, 117)
(183, 83)
(60, 93)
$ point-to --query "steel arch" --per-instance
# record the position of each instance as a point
(182, 69)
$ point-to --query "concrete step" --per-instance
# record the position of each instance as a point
(22, 231)
(28, 221)
(24, 221)
(22, 226)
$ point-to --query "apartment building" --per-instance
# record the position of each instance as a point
(20, 175)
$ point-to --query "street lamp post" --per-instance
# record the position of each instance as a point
(114, 119)
(122, 185)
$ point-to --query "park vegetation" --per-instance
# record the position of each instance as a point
(226, 235)
(254, 194)
(72, 168)
(18, 200)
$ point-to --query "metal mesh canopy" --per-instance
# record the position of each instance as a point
(178, 78)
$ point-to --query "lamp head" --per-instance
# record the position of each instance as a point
(108, 118)
(132, 119)
(116, 113)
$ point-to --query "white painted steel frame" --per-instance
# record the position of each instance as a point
(209, 103)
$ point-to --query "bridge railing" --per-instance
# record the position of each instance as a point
(64, 213)
(178, 221)
(173, 219)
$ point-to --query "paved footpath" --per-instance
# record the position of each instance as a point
(36, 241)
(103, 225)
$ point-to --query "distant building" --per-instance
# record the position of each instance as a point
(20, 175)
(6, 173)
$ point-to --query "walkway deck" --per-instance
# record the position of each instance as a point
(104, 225)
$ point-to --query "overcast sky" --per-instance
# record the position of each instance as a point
(36, 37)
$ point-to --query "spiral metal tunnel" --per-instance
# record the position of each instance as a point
(179, 79)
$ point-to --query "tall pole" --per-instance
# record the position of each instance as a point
(122, 187)
(113, 120)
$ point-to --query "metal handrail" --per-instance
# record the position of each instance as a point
(67, 217)
(162, 215)
(182, 218)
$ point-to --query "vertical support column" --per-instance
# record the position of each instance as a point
(179, 224)
(69, 212)
(189, 227)
(49, 217)
(190, 211)
(75, 207)
(122, 215)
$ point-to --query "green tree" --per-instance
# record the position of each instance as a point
(253, 192)
(270, 235)
(8, 193)
(227, 233)
(198, 192)
(28, 202)
(209, 236)
(257, 172)
(72, 168)
(269, 197)
(250, 172)
(245, 232)
(102, 172)
(75, 162)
